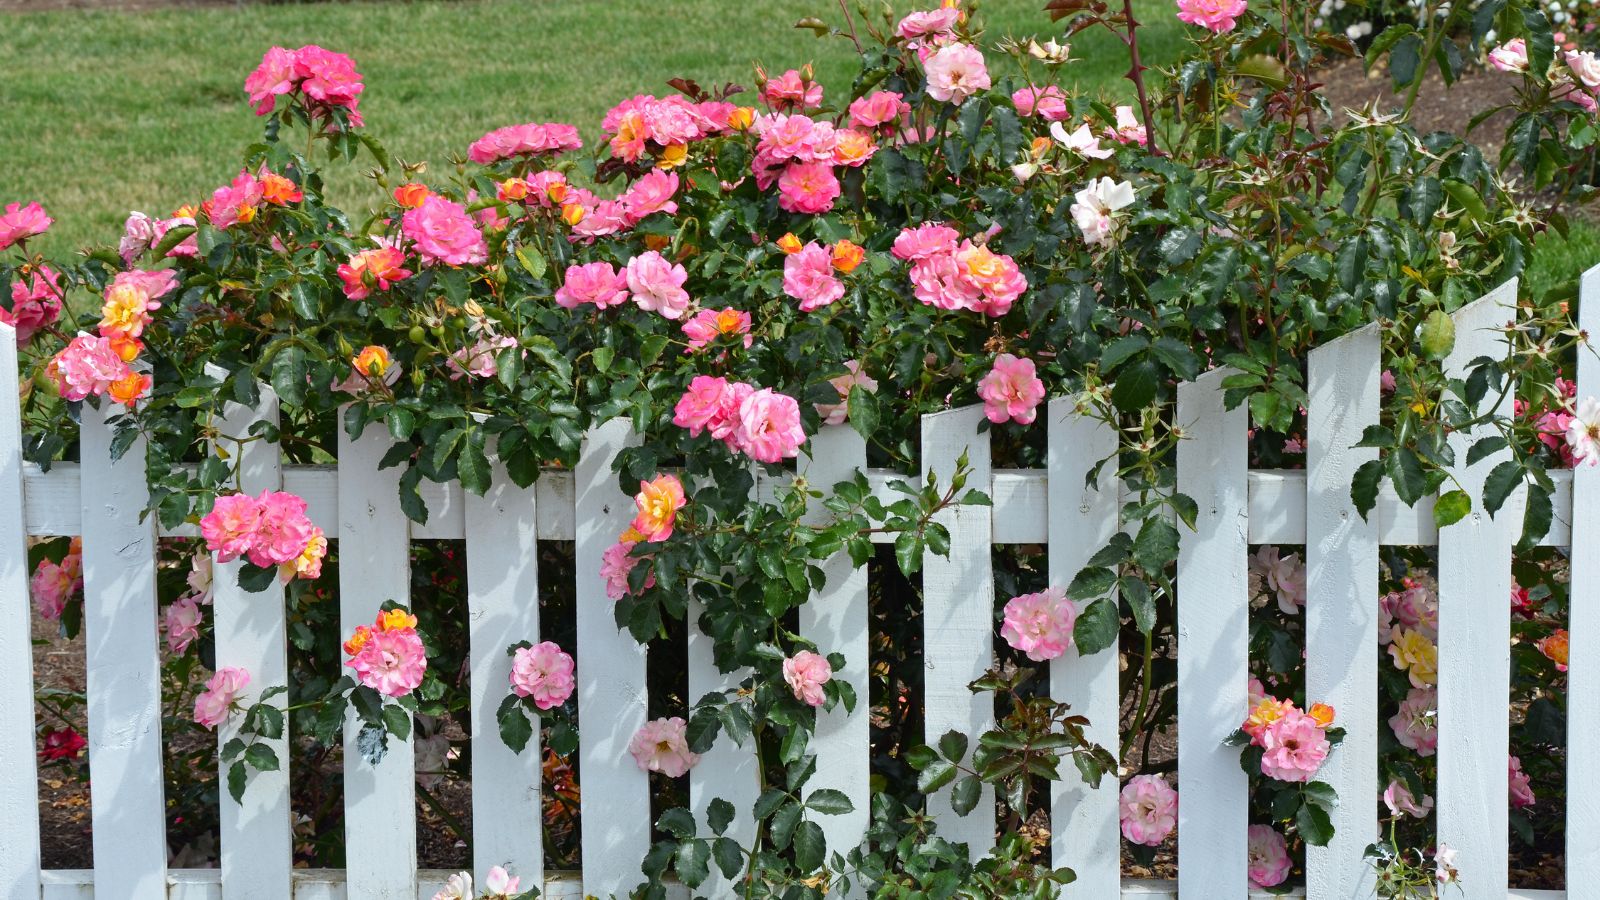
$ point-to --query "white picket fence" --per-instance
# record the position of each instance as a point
(356, 501)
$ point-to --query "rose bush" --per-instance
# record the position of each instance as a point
(730, 270)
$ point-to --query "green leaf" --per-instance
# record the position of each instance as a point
(261, 758)
(965, 795)
(1536, 521)
(908, 552)
(693, 862)
(1157, 545)
(1451, 508)
(936, 775)
(1364, 487)
(953, 745)
(397, 720)
(1137, 595)
(533, 262)
(236, 777)
(678, 822)
(1438, 335)
(1501, 481)
(1091, 582)
(729, 856)
(1485, 447)
(1410, 480)
(784, 822)
(1315, 825)
(1097, 627)
(1136, 385)
(289, 371)
(863, 411)
(830, 802)
(809, 847)
(515, 729)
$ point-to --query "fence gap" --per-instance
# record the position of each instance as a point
(1475, 632)
(380, 801)
(612, 692)
(502, 609)
(1341, 612)
(1213, 649)
(1083, 517)
(1583, 611)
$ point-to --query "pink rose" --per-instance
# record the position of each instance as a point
(1521, 786)
(1216, 15)
(328, 79)
(769, 427)
(956, 72)
(211, 707)
(1040, 624)
(87, 365)
(1512, 56)
(701, 405)
(791, 90)
(1148, 809)
(925, 241)
(808, 277)
(35, 302)
(1583, 433)
(1585, 68)
(391, 662)
(1129, 129)
(878, 109)
(657, 285)
(183, 622)
(481, 358)
(1295, 746)
(1399, 799)
(1048, 102)
(272, 79)
(282, 531)
(808, 188)
(598, 282)
(806, 673)
(707, 325)
(230, 527)
(52, 586)
(19, 223)
(544, 673)
(932, 23)
(1268, 856)
(532, 139)
(1011, 391)
(1415, 723)
(236, 203)
(616, 563)
(650, 194)
(837, 413)
(443, 232)
(662, 746)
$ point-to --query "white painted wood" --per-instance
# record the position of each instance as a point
(123, 666)
(1213, 655)
(1583, 674)
(836, 619)
(612, 693)
(19, 777)
(374, 567)
(1083, 518)
(503, 609)
(1342, 605)
(1475, 635)
(958, 615)
(251, 634)
(1277, 506)
(727, 770)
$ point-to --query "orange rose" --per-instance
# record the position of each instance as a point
(847, 255)
(789, 243)
(411, 195)
(280, 191)
(130, 387)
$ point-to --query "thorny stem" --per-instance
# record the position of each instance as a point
(851, 23)
(1136, 75)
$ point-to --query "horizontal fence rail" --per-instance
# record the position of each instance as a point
(356, 504)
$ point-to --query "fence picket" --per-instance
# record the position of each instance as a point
(836, 619)
(19, 778)
(1342, 604)
(123, 681)
(250, 633)
(379, 801)
(1583, 611)
(1213, 654)
(1082, 519)
(727, 770)
(1474, 672)
(958, 614)
(612, 693)
(503, 609)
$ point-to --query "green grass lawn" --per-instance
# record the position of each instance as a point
(104, 112)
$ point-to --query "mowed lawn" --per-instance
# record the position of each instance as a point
(105, 112)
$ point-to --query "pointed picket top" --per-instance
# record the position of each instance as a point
(1474, 649)
(1341, 611)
